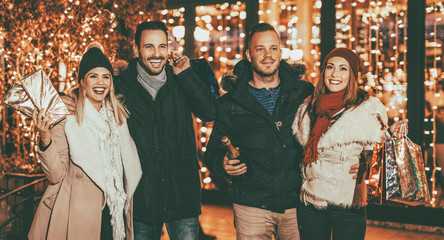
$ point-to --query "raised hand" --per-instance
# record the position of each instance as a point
(400, 128)
(42, 124)
(179, 62)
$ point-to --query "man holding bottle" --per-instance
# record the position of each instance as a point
(256, 115)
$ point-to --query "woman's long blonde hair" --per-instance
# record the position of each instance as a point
(120, 113)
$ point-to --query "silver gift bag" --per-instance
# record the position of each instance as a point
(17, 98)
(36, 91)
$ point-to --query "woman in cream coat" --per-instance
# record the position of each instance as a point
(338, 127)
(91, 162)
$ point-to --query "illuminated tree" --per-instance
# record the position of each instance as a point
(52, 35)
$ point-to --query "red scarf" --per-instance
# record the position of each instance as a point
(325, 107)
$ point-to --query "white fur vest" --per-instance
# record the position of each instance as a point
(328, 181)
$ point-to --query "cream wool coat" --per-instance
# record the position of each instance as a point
(71, 207)
(328, 181)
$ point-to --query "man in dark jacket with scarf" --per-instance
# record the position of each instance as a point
(257, 114)
(161, 98)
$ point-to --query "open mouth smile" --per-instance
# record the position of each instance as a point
(99, 90)
(334, 82)
(155, 62)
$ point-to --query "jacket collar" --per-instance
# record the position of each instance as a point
(289, 78)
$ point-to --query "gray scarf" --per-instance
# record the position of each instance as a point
(152, 85)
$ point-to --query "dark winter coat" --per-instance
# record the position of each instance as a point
(163, 132)
(265, 141)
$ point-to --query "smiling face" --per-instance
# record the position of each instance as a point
(153, 51)
(337, 74)
(97, 84)
(264, 53)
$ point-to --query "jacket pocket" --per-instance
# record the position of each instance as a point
(49, 201)
(53, 192)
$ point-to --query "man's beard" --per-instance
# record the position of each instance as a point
(261, 73)
(147, 69)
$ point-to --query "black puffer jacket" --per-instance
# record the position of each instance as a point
(265, 142)
(164, 136)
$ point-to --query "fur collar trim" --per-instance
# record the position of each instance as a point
(357, 125)
(243, 72)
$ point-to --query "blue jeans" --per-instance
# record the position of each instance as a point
(182, 229)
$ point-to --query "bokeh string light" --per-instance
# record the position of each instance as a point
(219, 34)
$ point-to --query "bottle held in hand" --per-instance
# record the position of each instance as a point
(232, 153)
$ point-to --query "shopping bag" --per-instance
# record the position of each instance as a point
(397, 172)
(412, 188)
(17, 98)
(374, 174)
(36, 91)
(423, 193)
(392, 172)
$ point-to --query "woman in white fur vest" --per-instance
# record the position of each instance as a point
(91, 162)
(338, 127)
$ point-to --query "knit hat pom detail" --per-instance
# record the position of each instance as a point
(94, 57)
(95, 45)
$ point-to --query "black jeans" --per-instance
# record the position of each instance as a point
(320, 224)
(106, 233)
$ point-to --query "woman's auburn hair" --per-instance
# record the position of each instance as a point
(120, 113)
(353, 94)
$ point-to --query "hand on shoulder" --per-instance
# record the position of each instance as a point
(69, 103)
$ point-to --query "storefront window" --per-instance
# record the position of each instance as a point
(377, 32)
(434, 97)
